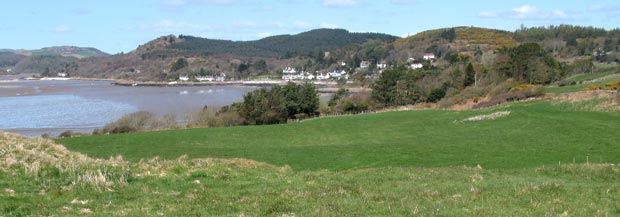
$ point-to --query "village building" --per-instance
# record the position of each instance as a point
(339, 74)
(209, 78)
(416, 66)
(364, 64)
(289, 70)
(381, 66)
(220, 78)
(429, 56)
(322, 76)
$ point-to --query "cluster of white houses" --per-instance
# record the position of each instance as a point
(365, 64)
(290, 73)
(211, 78)
(416, 64)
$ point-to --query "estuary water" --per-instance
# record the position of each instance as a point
(33, 108)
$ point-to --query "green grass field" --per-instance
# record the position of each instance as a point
(576, 88)
(37, 178)
(589, 76)
(534, 134)
(545, 158)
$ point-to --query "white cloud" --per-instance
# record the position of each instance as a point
(340, 3)
(171, 26)
(528, 12)
(525, 9)
(62, 28)
(524, 12)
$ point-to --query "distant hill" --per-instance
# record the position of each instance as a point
(323, 50)
(152, 60)
(45, 59)
(67, 51)
(46, 65)
(281, 46)
(10, 59)
(71, 51)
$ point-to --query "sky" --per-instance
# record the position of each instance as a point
(115, 26)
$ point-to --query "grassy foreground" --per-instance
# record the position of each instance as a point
(40, 178)
(534, 134)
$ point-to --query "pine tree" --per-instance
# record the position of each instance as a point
(470, 75)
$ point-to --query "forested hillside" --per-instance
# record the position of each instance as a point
(281, 46)
(45, 61)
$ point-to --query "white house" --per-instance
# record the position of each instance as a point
(416, 66)
(308, 76)
(62, 74)
(205, 78)
(381, 66)
(8, 70)
(429, 56)
(300, 76)
(289, 70)
(184, 78)
(411, 60)
(339, 74)
(322, 76)
(220, 78)
(364, 64)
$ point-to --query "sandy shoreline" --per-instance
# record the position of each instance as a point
(212, 83)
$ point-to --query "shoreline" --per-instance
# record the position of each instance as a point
(321, 86)
(214, 83)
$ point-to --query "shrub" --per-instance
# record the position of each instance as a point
(503, 87)
(137, 121)
(65, 134)
(436, 94)
(198, 119)
(278, 104)
(517, 93)
(466, 94)
(523, 87)
(354, 103)
(341, 93)
(613, 85)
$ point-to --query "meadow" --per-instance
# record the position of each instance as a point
(40, 178)
(583, 81)
(532, 158)
(534, 134)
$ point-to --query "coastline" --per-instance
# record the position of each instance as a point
(214, 83)
(322, 86)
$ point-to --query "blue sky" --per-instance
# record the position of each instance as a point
(120, 25)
